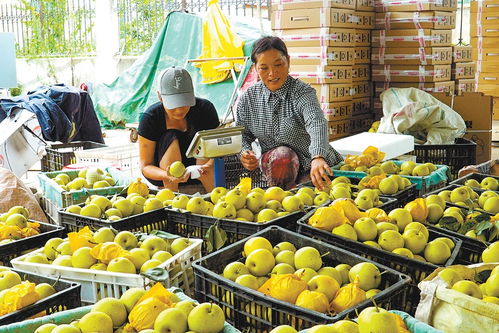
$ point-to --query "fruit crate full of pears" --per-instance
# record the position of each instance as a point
(233, 214)
(136, 209)
(481, 181)
(310, 282)
(426, 176)
(174, 312)
(19, 234)
(61, 189)
(25, 295)
(107, 263)
(395, 239)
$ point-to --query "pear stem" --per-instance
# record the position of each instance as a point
(375, 305)
(55, 250)
(357, 312)
(56, 281)
(325, 254)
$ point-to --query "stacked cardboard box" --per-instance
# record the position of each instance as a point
(484, 21)
(463, 69)
(411, 46)
(329, 45)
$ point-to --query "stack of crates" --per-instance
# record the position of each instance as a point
(463, 69)
(411, 46)
(484, 31)
(328, 42)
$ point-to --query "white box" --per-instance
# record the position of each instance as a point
(21, 143)
(392, 144)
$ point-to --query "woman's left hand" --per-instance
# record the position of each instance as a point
(320, 172)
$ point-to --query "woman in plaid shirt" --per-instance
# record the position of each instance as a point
(284, 115)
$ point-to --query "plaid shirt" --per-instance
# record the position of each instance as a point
(290, 116)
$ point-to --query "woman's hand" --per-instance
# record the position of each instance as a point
(174, 180)
(320, 172)
(249, 160)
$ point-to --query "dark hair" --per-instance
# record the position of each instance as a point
(268, 43)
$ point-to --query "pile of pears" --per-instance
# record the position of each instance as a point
(137, 310)
(14, 225)
(465, 196)
(299, 276)
(487, 183)
(370, 320)
(487, 291)
(12, 288)
(107, 251)
(389, 185)
(118, 207)
(407, 168)
(89, 178)
(397, 232)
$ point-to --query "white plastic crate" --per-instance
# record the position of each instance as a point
(124, 158)
(96, 284)
(51, 210)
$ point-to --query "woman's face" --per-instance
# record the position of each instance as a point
(177, 113)
(272, 68)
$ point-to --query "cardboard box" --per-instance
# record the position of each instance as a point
(485, 19)
(475, 108)
(488, 78)
(361, 123)
(365, 5)
(337, 111)
(329, 93)
(484, 43)
(365, 20)
(495, 108)
(489, 89)
(322, 74)
(463, 70)
(361, 73)
(361, 106)
(491, 30)
(487, 55)
(377, 106)
(487, 67)
(321, 55)
(286, 4)
(313, 18)
(411, 73)
(361, 89)
(446, 86)
(317, 37)
(362, 37)
(411, 38)
(461, 53)
(483, 140)
(487, 6)
(414, 6)
(465, 85)
(412, 56)
(362, 55)
(416, 20)
(338, 129)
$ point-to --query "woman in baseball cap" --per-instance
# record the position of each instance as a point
(167, 128)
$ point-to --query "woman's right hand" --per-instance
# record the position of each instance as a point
(249, 160)
(174, 180)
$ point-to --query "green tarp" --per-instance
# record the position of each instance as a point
(180, 39)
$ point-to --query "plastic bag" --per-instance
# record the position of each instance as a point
(452, 311)
(414, 112)
(219, 41)
(82, 238)
(369, 157)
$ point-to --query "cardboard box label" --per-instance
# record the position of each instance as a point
(362, 55)
(338, 129)
(363, 38)
(321, 55)
(361, 89)
(412, 56)
(317, 37)
(411, 38)
(365, 20)
(465, 85)
(361, 73)
(463, 70)
(361, 106)
(411, 73)
(328, 93)
(415, 20)
(337, 111)
(414, 5)
(461, 53)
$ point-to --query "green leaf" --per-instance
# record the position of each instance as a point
(466, 226)
(215, 237)
(482, 226)
(482, 276)
(494, 231)
(449, 222)
(157, 274)
(163, 234)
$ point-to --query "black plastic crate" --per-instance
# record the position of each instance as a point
(251, 310)
(67, 297)
(456, 156)
(61, 154)
(145, 222)
(234, 170)
(191, 225)
(417, 270)
(15, 248)
(477, 176)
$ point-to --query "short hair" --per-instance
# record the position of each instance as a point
(268, 43)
